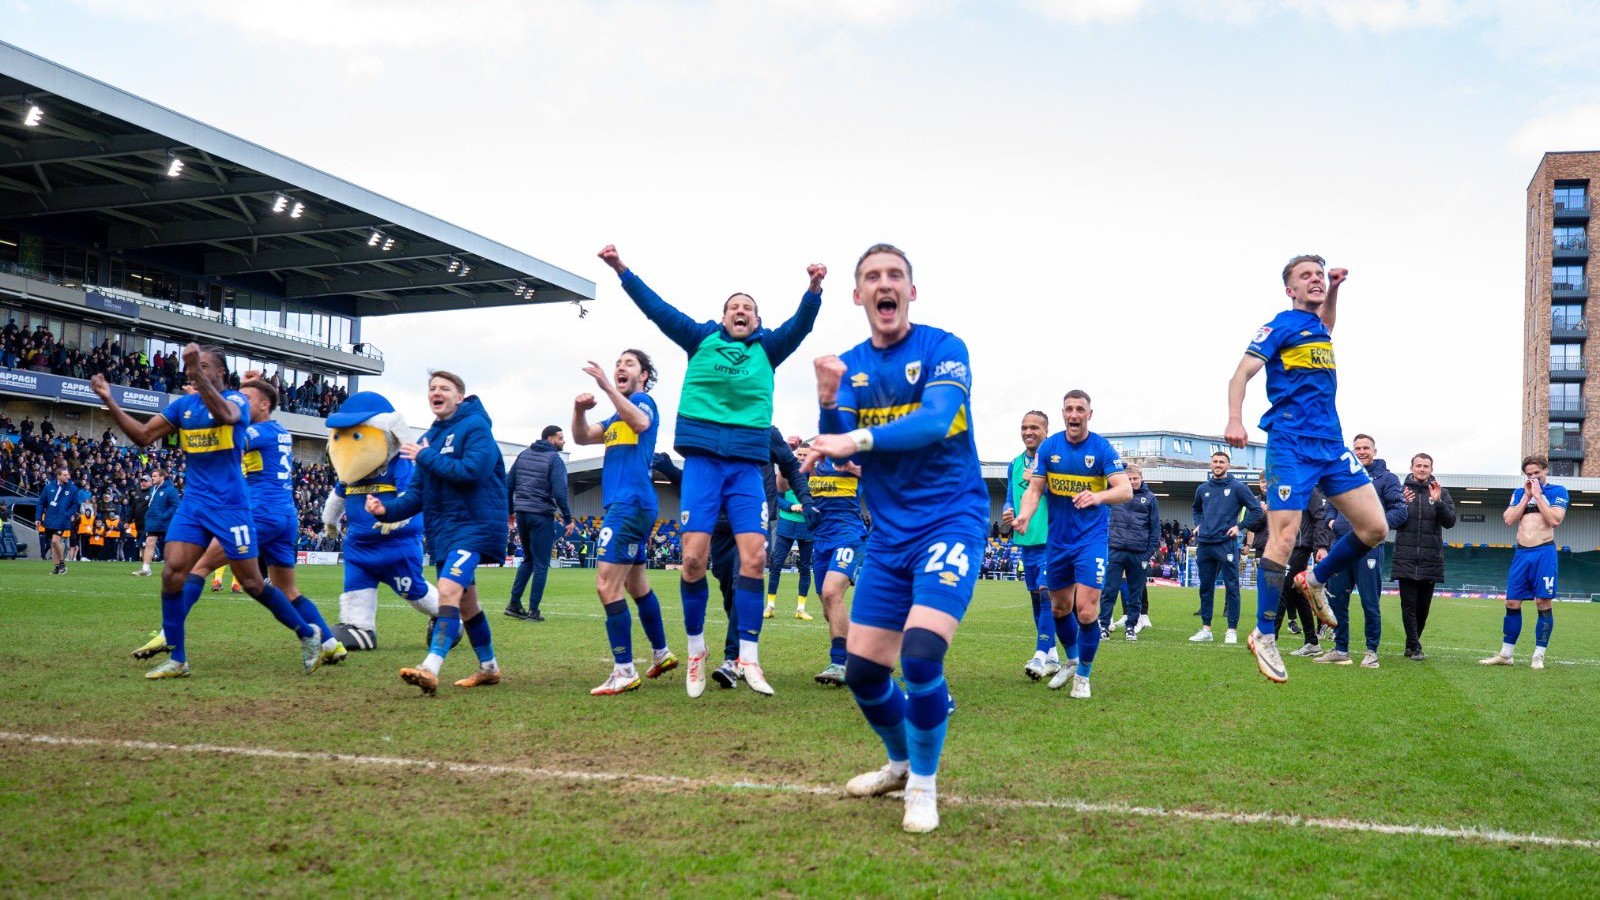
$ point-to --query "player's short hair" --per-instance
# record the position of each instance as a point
(1076, 394)
(1133, 467)
(1536, 459)
(549, 432)
(1040, 414)
(219, 358)
(648, 366)
(885, 248)
(266, 390)
(60, 469)
(161, 472)
(1303, 258)
(1221, 453)
(1370, 439)
(752, 300)
(1423, 456)
(451, 377)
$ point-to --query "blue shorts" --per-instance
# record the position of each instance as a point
(395, 563)
(1083, 564)
(1533, 573)
(625, 534)
(1296, 464)
(233, 527)
(938, 572)
(1035, 563)
(276, 531)
(845, 560)
(460, 566)
(712, 484)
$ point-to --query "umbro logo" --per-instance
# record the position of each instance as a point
(736, 356)
(859, 379)
(1054, 458)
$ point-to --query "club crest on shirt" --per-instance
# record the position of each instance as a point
(1372, 564)
(683, 517)
(1089, 460)
(1284, 491)
(1227, 491)
(913, 371)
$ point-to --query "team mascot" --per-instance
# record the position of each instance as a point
(364, 438)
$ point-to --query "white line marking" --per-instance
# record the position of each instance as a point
(1484, 835)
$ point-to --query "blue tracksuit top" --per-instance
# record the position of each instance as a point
(459, 487)
(1136, 525)
(163, 504)
(1390, 492)
(1216, 509)
(58, 505)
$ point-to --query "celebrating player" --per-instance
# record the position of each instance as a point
(630, 502)
(1305, 448)
(723, 417)
(840, 536)
(1536, 509)
(1083, 476)
(899, 401)
(211, 426)
(1045, 662)
(460, 485)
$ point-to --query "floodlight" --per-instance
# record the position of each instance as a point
(34, 117)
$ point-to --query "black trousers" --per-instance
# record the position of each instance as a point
(1416, 598)
(1291, 601)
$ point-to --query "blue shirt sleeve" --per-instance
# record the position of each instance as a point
(928, 424)
(1110, 462)
(174, 412)
(679, 328)
(1556, 495)
(1516, 497)
(1268, 339)
(786, 338)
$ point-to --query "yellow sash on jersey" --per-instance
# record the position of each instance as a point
(1072, 485)
(207, 440)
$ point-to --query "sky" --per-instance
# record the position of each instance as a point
(1095, 194)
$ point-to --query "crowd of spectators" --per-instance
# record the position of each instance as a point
(577, 549)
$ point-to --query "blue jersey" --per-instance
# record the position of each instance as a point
(385, 484)
(937, 486)
(1554, 494)
(1069, 469)
(625, 473)
(838, 498)
(1301, 376)
(269, 467)
(213, 451)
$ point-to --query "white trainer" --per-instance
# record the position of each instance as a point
(753, 676)
(1066, 674)
(1499, 659)
(1232, 637)
(695, 683)
(1080, 687)
(1053, 665)
(1144, 622)
(1118, 622)
(1034, 668)
(1202, 635)
(1370, 660)
(877, 782)
(922, 811)
(1537, 662)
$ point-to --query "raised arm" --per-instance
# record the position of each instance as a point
(221, 408)
(584, 433)
(786, 338)
(637, 419)
(1330, 306)
(682, 330)
(142, 433)
(1234, 434)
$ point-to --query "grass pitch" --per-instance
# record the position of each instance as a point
(1187, 774)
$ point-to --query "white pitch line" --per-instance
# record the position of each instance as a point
(1484, 835)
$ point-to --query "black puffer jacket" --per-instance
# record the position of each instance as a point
(1419, 541)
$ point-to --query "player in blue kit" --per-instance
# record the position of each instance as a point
(211, 427)
(1305, 449)
(1537, 509)
(1082, 475)
(1045, 662)
(268, 465)
(899, 403)
(629, 496)
(840, 535)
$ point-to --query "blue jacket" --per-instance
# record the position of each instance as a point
(1390, 493)
(459, 487)
(58, 504)
(163, 503)
(1136, 525)
(1216, 509)
(537, 482)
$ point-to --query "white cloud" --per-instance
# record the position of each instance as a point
(1574, 128)
(1087, 12)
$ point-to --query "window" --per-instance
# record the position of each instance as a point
(1566, 357)
(1566, 278)
(1566, 397)
(1567, 316)
(1566, 436)
(1150, 445)
(1571, 196)
(1569, 237)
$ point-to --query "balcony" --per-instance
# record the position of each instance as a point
(1564, 329)
(1569, 290)
(1569, 446)
(1574, 209)
(1568, 410)
(1570, 249)
(1567, 371)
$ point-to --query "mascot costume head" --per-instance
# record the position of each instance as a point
(364, 438)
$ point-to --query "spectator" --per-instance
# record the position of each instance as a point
(1217, 506)
(537, 488)
(1419, 548)
(1365, 575)
(1135, 532)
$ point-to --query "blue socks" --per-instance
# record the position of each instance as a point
(173, 611)
(619, 631)
(447, 630)
(650, 618)
(1045, 621)
(695, 594)
(477, 629)
(1513, 626)
(1067, 633)
(1269, 590)
(282, 610)
(1543, 626)
(836, 654)
(194, 586)
(1088, 645)
(748, 604)
(312, 616)
(1343, 554)
(927, 698)
(881, 701)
